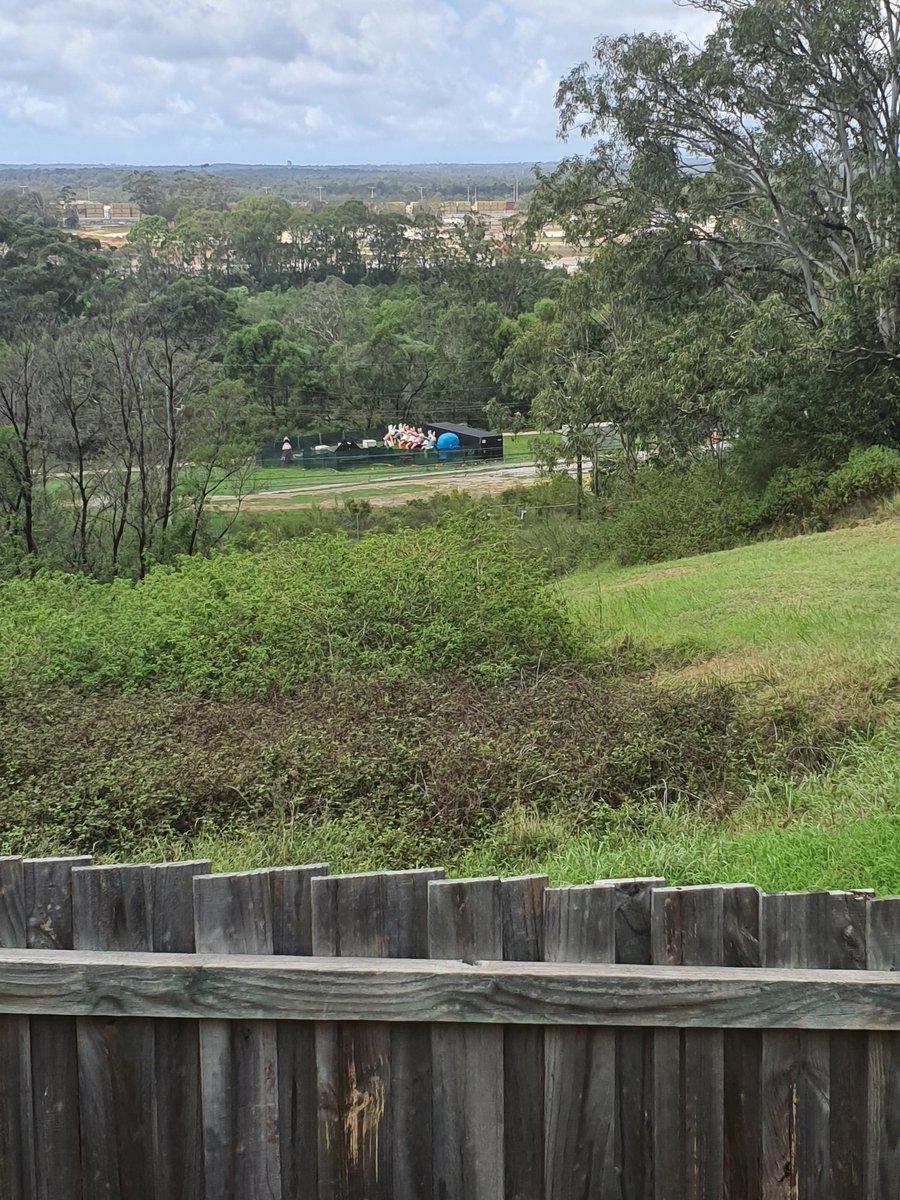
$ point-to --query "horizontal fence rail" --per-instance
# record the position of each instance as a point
(259, 988)
(167, 1033)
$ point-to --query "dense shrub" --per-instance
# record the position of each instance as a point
(870, 474)
(455, 598)
(670, 514)
(428, 760)
(806, 497)
(791, 496)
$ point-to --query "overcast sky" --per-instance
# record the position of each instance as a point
(315, 81)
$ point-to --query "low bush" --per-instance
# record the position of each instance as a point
(455, 598)
(870, 474)
(424, 765)
(806, 498)
(666, 513)
(792, 496)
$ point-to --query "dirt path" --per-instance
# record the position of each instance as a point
(478, 481)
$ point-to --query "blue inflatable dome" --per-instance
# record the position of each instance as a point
(448, 441)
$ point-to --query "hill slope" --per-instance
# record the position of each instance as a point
(813, 616)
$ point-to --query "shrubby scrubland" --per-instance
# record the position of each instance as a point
(387, 687)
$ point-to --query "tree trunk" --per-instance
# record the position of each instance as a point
(165, 508)
(28, 509)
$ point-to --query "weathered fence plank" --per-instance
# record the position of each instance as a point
(178, 1128)
(16, 1147)
(743, 1052)
(465, 922)
(356, 1125)
(580, 1130)
(634, 1047)
(794, 1076)
(297, 1099)
(849, 1060)
(688, 1130)
(883, 1101)
(406, 905)
(522, 917)
(54, 1047)
(805, 1156)
(251, 988)
(116, 1076)
(238, 1060)
(374, 1138)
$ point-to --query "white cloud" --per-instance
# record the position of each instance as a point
(19, 105)
(340, 81)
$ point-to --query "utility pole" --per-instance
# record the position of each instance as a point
(321, 190)
(517, 191)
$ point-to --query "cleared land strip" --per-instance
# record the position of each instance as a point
(393, 489)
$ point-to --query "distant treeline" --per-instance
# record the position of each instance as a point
(218, 184)
(136, 384)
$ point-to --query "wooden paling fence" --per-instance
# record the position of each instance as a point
(171, 1034)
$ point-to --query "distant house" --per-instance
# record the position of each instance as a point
(96, 212)
(494, 206)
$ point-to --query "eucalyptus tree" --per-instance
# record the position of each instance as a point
(775, 145)
(758, 178)
(553, 362)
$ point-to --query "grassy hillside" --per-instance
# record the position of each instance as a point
(812, 620)
(814, 616)
(415, 699)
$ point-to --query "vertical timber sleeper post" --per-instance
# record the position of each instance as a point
(580, 1093)
(464, 922)
(374, 1077)
(54, 1051)
(238, 1059)
(116, 1057)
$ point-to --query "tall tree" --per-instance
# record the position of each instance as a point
(767, 162)
(275, 370)
(776, 144)
(256, 225)
(554, 361)
(145, 189)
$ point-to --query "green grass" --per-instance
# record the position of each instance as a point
(835, 829)
(808, 615)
